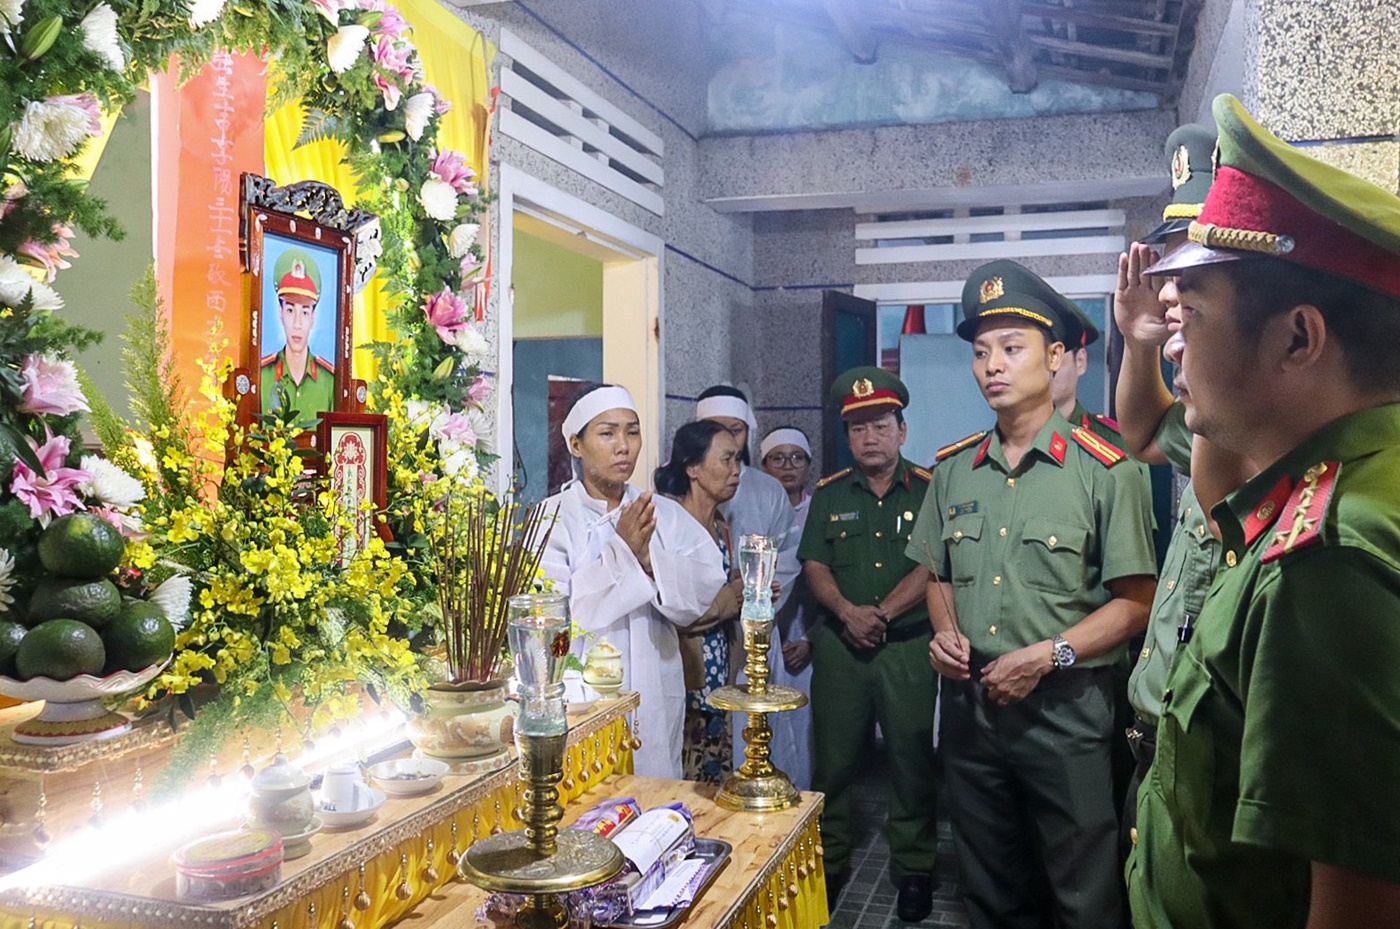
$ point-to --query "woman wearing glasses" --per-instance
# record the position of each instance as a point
(786, 454)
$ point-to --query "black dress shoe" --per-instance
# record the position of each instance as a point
(915, 897)
(834, 885)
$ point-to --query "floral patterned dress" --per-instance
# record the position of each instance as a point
(707, 755)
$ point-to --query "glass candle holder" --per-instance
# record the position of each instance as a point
(758, 566)
(539, 634)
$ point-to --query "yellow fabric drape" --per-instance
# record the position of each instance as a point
(456, 60)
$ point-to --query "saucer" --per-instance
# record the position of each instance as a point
(297, 844)
(343, 819)
(404, 777)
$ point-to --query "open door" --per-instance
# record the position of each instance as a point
(848, 340)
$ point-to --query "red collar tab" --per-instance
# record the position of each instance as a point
(1268, 510)
(982, 451)
(1242, 201)
(1303, 518)
(1057, 447)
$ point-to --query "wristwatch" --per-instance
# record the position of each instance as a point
(1061, 654)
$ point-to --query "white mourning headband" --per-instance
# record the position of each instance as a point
(784, 436)
(593, 404)
(733, 407)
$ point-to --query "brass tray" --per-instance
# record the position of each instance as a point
(714, 851)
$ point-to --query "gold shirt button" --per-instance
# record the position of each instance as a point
(1001, 531)
(843, 535)
(993, 630)
(1201, 531)
(877, 533)
(1133, 834)
(996, 580)
(957, 533)
(1230, 559)
(1171, 585)
(879, 503)
(1052, 540)
(1011, 482)
(879, 564)
(1146, 650)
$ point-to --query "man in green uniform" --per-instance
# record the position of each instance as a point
(308, 379)
(1038, 542)
(1272, 799)
(869, 644)
(1080, 333)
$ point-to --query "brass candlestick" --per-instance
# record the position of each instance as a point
(540, 860)
(757, 785)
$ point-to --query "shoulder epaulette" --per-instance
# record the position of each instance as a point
(1105, 451)
(324, 364)
(923, 474)
(1304, 515)
(1108, 421)
(267, 359)
(834, 477)
(959, 445)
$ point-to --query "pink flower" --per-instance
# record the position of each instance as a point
(13, 194)
(391, 23)
(446, 313)
(392, 92)
(469, 266)
(443, 105)
(456, 429)
(54, 494)
(480, 389)
(50, 385)
(85, 102)
(452, 168)
(330, 9)
(50, 255)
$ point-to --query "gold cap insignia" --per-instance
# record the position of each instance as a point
(1181, 167)
(862, 387)
(992, 289)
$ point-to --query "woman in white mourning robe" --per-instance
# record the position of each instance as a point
(635, 566)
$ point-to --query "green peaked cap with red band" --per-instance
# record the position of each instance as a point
(1270, 199)
(867, 392)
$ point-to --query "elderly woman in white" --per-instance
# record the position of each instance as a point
(635, 567)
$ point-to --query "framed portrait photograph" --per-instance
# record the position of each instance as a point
(299, 342)
(356, 465)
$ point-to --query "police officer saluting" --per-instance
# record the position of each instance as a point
(868, 649)
(1037, 536)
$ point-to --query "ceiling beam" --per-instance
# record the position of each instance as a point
(1005, 19)
(1103, 52)
(857, 38)
(1107, 79)
(1084, 17)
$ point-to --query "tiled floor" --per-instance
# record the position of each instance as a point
(868, 901)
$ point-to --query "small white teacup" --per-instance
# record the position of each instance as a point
(343, 789)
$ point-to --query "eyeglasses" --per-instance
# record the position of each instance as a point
(779, 460)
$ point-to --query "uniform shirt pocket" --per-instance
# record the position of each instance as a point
(1185, 762)
(1053, 555)
(848, 542)
(961, 536)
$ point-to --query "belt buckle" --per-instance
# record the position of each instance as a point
(1135, 737)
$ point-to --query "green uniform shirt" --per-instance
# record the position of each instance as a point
(861, 537)
(1029, 549)
(1279, 742)
(313, 396)
(1187, 570)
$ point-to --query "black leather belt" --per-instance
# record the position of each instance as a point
(903, 632)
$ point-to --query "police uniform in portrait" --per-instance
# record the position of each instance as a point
(312, 390)
(859, 535)
(1019, 555)
(1272, 799)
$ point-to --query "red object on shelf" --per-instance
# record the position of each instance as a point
(914, 320)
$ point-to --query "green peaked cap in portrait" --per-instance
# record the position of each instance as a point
(296, 275)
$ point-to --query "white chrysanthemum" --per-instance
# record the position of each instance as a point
(11, 15)
(460, 242)
(416, 112)
(343, 49)
(470, 342)
(173, 598)
(50, 131)
(110, 484)
(439, 199)
(204, 12)
(100, 36)
(7, 579)
(15, 282)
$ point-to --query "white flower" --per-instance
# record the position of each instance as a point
(469, 342)
(460, 242)
(100, 36)
(51, 131)
(7, 580)
(424, 415)
(173, 598)
(204, 12)
(11, 15)
(110, 484)
(416, 113)
(460, 461)
(15, 282)
(439, 199)
(343, 49)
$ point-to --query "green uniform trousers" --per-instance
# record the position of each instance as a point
(895, 686)
(1031, 788)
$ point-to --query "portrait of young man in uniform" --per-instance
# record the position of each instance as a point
(304, 365)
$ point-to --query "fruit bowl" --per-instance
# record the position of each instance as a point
(73, 709)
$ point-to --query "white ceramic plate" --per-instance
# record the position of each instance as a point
(577, 694)
(402, 777)
(341, 819)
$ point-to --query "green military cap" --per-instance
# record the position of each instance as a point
(1080, 331)
(1004, 288)
(298, 279)
(1269, 199)
(1190, 151)
(867, 392)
